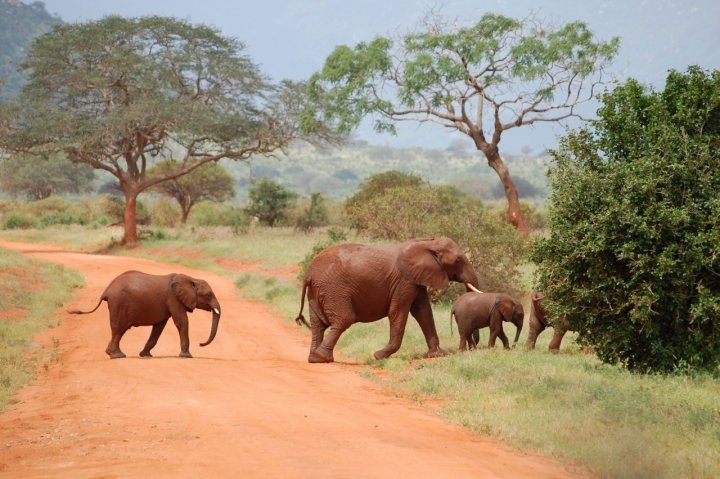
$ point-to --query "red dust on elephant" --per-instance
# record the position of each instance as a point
(355, 283)
(139, 299)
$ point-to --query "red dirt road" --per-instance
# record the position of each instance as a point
(248, 405)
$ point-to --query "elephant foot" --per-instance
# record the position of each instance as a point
(436, 353)
(325, 356)
(116, 354)
(145, 354)
(315, 359)
(185, 354)
(382, 354)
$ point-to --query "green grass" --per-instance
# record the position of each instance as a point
(40, 288)
(569, 405)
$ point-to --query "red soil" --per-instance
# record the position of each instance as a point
(248, 405)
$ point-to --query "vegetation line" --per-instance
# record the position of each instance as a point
(32, 292)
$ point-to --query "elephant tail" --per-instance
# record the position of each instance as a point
(300, 320)
(77, 311)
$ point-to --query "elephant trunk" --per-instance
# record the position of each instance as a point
(215, 322)
(519, 326)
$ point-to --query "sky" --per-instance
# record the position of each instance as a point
(292, 38)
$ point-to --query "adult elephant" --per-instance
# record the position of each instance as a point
(538, 323)
(474, 311)
(352, 283)
(140, 299)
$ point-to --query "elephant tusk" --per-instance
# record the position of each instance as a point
(216, 311)
(473, 287)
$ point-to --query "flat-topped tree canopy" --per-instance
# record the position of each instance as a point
(481, 78)
(119, 92)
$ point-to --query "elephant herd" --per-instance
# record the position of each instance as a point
(344, 284)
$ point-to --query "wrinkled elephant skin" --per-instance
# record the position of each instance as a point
(352, 283)
(139, 299)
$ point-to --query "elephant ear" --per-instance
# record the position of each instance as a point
(505, 306)
(184, 289)
(419, 263)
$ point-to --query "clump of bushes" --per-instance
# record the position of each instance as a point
(631, 260)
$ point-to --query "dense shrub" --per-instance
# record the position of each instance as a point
(268, 201)
(632, 258)
(208, 213)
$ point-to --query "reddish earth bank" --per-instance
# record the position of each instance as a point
(248, 405)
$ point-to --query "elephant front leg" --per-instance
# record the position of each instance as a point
(181, 322)
(422, 312)
(157, 329)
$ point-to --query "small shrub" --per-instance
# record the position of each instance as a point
(17, 221)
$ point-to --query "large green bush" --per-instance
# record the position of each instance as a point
(633, 256)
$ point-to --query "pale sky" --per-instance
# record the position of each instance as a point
(291, 38)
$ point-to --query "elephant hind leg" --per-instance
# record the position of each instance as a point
(157, 329)
(325, 350)
(318, 333)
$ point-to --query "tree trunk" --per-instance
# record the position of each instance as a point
(185, 214)
(514, 213)
(131, 235)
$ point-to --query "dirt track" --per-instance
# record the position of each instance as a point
(248, 405)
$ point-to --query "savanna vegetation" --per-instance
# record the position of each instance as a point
(627, 252)
(32, 291)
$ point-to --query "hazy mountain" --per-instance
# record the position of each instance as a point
(19, 24)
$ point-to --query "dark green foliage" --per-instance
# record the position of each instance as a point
(335, 236)
(315, 215)
(37, 178)
(19, 24)
(268, 201)
(17, 221)
(632, 259)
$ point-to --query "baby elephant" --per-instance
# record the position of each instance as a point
(474, 311)
(139, 299)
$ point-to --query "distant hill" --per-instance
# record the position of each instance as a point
(19, 24)
(337, 172)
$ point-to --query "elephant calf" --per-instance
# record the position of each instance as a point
(475, 311)
(538, 323)
(139, 299)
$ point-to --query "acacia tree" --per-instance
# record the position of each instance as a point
(481, 79)
(38, 178)
(209, 182)
(115, 92)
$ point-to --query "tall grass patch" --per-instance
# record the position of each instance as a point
(30, 292)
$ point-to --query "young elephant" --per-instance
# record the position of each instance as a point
(538, 323)
(139, 299)
(474, 311)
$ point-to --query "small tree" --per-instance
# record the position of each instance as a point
(315, 215)
(632, 259)
(38, 178)
(115, 92)
(209, 182)
(268, 200)
(481, 78)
